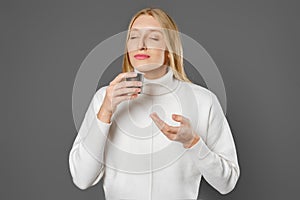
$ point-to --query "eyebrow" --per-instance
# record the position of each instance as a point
(151, 30)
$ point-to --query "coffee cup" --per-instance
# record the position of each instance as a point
(138, 77)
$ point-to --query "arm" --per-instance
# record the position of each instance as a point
(217, 158)
(86, 155)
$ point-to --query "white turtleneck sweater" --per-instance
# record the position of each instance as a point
(137, 161)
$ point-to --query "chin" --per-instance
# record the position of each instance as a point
(146, 67)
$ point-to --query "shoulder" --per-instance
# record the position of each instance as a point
(200, 92)
(97, 98)
(100, 93)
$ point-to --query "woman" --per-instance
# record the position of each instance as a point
(157, 144)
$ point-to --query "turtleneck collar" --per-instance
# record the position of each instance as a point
(163, 85)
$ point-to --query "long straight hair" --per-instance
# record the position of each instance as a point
(172, 39)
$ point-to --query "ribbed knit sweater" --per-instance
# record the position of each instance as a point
(137, 161)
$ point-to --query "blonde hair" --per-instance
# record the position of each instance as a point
(172, 39)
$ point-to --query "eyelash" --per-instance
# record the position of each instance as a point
(136, 37)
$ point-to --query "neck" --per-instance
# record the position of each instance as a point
(156, 73)
(164, 84)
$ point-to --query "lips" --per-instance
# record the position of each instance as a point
(141, 56)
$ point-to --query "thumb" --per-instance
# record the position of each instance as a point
(178, 118)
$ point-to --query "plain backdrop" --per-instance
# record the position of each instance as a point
(255, 45)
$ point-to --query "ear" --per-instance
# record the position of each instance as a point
(167, 58)
(168, 54)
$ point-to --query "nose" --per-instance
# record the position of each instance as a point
(142, 44)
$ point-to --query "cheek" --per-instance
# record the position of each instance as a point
(158, 55)
(130, 47)
(132, 60)
(131, 53)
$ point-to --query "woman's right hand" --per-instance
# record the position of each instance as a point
(117, 92)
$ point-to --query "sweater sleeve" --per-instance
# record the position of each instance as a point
(216, 158)
(86, 156)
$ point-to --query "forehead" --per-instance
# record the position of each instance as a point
(145, 22)
(147, 29)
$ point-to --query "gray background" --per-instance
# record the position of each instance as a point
(255, 45)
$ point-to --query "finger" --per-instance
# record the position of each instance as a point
(170, 136)
(126, 91)
(164, 127)
(121, 76)
(125, 84)
(179, 118)
(167, 132)
(119, 99)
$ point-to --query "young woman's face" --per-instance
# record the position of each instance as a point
(146, 45)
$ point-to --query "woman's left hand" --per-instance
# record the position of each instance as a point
(183, 133)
